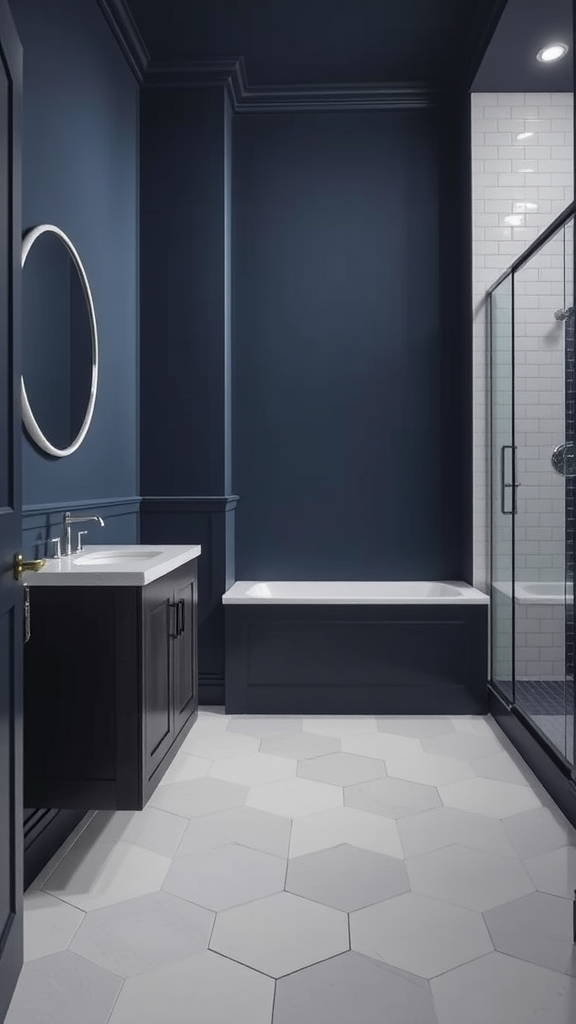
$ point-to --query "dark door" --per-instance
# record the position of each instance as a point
(11, 837)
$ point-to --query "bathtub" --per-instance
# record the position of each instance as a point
(539, 629)
(289, 592)
(355, 648)
(538, 593)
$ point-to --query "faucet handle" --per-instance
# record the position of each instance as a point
(81, 533)
(57, 542)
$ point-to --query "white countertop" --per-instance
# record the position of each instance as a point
(113, 565)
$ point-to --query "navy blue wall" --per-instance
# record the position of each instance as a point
(345, 396)
(184, 291)
(185, 344)
(80, 171)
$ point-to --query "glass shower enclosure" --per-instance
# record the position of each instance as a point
(533, 486)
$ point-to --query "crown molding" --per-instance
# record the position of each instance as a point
(127, 34)
(352, 96)
(231, 73)
(199, 71)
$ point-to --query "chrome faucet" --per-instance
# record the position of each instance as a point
(68, 522)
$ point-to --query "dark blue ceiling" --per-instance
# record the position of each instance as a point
(510, 64)
(320, 41)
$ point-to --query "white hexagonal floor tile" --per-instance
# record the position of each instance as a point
(481, 725)
(280, 934)
(351, 987)
(485, 796)
(300, 745)
(258, 830)
(418, 934)
(63, 988)
(201, 796)
(468, 878)
(340, 725)
(214, 746)
(503, 990)
(205, 988)
(554, 872)
(184, 768)
(341, 769)
(537, 928)
(225, 877)
(442, 826)
(151, 828)
(139, 935)
(210, 721)
(503, 768)
(345, 825)
(380, 745)
(49, 924)
(265, 725)
(346, 878)
(294, 797)
(394, 798)
(466, 746)
(431, 769)
(253, 769)
(539, 831)
(418, 728)
(96, 876)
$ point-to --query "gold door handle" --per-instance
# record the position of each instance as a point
(21, 566)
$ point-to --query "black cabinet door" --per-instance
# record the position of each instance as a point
(184, 664)
(159, 621)
(11, 800)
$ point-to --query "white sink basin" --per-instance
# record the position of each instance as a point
(122, 565)
(108, 557)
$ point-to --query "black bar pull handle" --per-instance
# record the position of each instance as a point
(503, 484)
(175, 619)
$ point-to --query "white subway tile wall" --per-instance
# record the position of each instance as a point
(523, 177)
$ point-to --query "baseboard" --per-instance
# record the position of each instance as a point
(45, 829)
(210, 691)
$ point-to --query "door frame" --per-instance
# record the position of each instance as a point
(11, 805)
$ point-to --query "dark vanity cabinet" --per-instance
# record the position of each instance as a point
(111, 690)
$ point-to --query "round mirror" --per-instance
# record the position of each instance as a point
(59, 342)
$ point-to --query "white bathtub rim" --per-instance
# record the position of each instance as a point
(341, 594)
(522, 594)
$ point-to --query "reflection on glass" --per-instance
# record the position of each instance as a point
(534, 489)
(503, 491)
(541, 522)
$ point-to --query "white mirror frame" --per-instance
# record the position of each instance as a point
(30, 423)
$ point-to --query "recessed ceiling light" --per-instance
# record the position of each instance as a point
(554, 51)
(524, 135)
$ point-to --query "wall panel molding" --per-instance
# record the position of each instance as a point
(209, 521)
(41, 522)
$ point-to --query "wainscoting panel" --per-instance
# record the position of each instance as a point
(41, 522)
(208, 521)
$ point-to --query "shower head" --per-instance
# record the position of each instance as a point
(563, 314)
